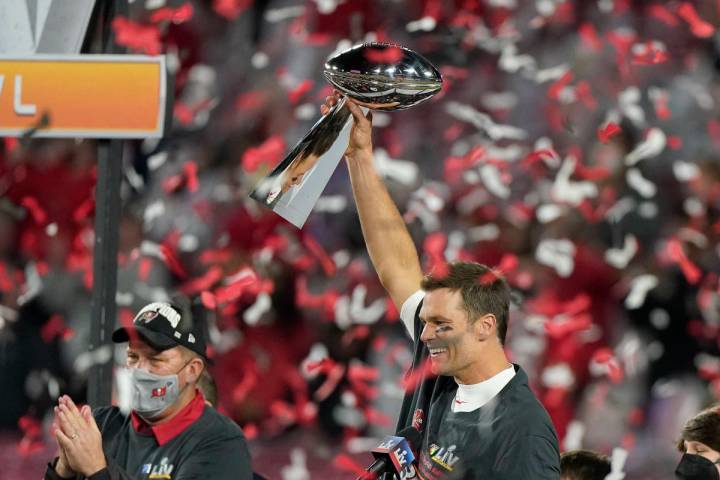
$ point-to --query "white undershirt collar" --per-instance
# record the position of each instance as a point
(471, 397)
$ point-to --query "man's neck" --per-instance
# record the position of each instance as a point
(182, 402)
(485, 368)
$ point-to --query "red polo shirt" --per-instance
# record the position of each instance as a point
(166, 431)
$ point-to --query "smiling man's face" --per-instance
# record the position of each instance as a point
(449, 334)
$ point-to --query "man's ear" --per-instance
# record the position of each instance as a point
(485, 327)
(196, 367)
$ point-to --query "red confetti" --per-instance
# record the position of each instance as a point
(32, 439)
(296, 94)
(6, 283)
(589, 37)
(456, 166)
(178, 15)
(144, 267)
(676, 253)
(208, 300)
(345, 463)
(698, 26)
(138, 37)
(85, 210)
(606, 133)
(190, 169)
(327, 263)
(663, 14)
(55, 327)
(202, 283)
(172, 261)
(713, 128)
(387, 55)
(267, 154)
(36, 211)
(649, 53)
(231, 9)
(434, 247)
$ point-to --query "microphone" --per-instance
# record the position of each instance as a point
(394, 453)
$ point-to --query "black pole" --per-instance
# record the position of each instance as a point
(107, 220)
(104, 309)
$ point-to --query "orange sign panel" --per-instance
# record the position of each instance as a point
(89, 96)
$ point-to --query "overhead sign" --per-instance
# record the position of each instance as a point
(88, 96)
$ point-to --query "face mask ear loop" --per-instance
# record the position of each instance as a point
(183, 367)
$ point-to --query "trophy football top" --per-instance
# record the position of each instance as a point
(383, 76)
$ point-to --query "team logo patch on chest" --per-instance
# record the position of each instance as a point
(418, 418)
(163, 470)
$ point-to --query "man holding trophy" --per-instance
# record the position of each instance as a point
(473, 415)
(477, 415)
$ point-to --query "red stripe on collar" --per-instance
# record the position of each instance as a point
(166, 431)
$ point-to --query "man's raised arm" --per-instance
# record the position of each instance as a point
(388, 241)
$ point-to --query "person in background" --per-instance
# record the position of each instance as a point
(584, 465)
(699, 443)
(170, 432)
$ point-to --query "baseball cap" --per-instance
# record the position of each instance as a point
(163, 325)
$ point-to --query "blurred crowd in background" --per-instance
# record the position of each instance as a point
(574, 146)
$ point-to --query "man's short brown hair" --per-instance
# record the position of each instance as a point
(483, 291)
(584, 465)
(704, 428)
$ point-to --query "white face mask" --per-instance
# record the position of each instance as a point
(153, 394)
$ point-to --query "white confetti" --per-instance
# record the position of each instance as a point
(628, 101)
(306, 111)
(498, 100)
(511, 62)
(653, 145)
(492, 180)
(297, 470)
(326, 7)
(640, 286)
(620, 257)
(484, 123)
(362, 315)
(259, 60)
(51, 230)
(567, 191)
(425, 24)
(574, 436)
(558, 376)
(484, 233)
(402, 171)
(262, 305)
(557, 254)
(275, 15)
(549, 212)
(156, 161)
(685, 171)
(640, 184)
(659, 318)
(331, 204)
(617, 464)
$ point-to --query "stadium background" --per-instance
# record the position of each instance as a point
(574, 146)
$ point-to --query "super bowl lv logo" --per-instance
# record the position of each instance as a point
(160, 471)
(445, 457)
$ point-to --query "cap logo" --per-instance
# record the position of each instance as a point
(147, 316)
(151, 311)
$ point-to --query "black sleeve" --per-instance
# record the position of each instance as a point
(51, 474)
(531, 456)
(226, 459)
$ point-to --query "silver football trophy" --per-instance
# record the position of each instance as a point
(377, 76)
